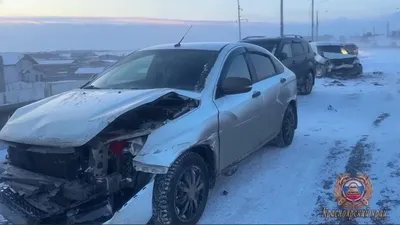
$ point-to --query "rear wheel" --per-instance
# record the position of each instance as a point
(307, 85)
(180, 196)
(286, 134)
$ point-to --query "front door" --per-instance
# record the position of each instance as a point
(239, 114)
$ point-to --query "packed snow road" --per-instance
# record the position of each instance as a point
(344, 126)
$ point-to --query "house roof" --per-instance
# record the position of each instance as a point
(89, 70)
(55, 62)
(11, 58)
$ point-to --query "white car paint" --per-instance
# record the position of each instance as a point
(140, 204)
(61, 120)
(327, 55)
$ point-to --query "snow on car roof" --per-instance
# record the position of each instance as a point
(213, 46)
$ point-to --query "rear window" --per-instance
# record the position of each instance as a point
(332, 49)
(270, 45)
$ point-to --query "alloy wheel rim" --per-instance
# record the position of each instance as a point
(189, 194)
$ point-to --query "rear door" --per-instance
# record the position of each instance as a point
(300, 58)
(269, 80)
(289, 61)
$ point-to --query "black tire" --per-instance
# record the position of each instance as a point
(308, 84)
(167, 189)
(288, 127)
(359, 70)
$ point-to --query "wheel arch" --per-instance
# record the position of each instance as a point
(311, 68)
(209, 156)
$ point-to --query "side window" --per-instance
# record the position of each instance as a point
(238, 68)
(306, 47)
(263, 66)
(297, 49)
(278, 66)
(288, 50)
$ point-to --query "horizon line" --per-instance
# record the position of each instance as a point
(122, 20)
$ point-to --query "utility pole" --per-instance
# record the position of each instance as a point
(388, 29)
(317, 28)
(240, 19)
(312, 20)
(282, 31)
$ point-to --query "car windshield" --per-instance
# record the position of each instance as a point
(167, 68)
(332, 49)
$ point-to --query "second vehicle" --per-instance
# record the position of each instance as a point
(334, 59)
(295, 53)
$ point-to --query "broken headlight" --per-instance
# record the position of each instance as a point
(134, 146)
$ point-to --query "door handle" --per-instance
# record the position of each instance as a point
(293, 62)
(283, 80)
(256, 94)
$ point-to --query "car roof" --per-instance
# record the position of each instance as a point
(212, 46)
(261, 39)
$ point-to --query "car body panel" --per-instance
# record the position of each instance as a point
(61, 120)
(138, 210)
(231, 126)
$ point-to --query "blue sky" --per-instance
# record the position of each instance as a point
(253, 10)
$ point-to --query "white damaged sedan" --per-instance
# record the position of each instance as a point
(145, 139)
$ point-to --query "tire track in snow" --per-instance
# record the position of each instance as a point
(328, 173)
(359, 161)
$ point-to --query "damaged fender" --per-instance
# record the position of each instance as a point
(138, 210)
(165, 144)
(73, 118)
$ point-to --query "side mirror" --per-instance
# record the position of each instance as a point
(236, 85)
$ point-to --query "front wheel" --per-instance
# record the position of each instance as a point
(288, 127)
(180, 196)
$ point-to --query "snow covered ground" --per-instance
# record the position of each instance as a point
(344, 126)
(339, 131)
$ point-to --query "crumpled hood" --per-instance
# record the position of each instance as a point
(73, 118)
(331, 55)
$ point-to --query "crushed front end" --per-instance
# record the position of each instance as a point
(66, 186)
(345, 67)
(96, 182)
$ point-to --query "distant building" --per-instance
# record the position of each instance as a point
(97, 63)
(109, 57)
(56, 70)
(45, 55)
(87, 72)
(18, 67)
(83, 55)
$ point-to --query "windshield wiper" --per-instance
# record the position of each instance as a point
(91, 87)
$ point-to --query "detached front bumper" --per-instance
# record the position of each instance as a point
(346, 70)
(138, 210)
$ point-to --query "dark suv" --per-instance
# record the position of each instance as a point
(295, 53)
